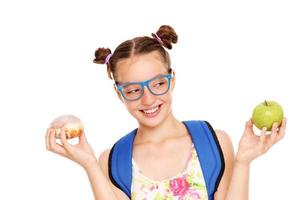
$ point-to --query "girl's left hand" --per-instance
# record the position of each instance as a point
(252, 146)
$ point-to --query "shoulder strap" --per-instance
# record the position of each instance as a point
(120, 165)
(206, 144)
(210, 153)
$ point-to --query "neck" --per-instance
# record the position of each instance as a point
(170, 127)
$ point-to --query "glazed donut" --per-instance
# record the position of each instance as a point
(71, 124)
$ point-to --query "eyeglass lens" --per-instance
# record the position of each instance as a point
(157, 86)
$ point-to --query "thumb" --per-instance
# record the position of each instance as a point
(82, 137)
(248, 126)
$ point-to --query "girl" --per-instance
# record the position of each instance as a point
(165, 163)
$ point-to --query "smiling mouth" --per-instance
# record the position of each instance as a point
(152, 111)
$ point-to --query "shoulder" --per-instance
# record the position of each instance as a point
(103, 161)
(225, 144)
(228, 153)
(223, 138)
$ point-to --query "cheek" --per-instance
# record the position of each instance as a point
(132, 107)
(167, 98)
(168, 103)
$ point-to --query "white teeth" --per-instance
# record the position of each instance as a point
(151, 110)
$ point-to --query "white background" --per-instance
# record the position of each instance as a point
(230, 56)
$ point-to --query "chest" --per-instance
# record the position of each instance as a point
(163, 161)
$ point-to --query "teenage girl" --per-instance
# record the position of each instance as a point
(165, 164)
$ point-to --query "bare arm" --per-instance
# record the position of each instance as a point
(239, 185)
(100, 185)
(234, 184)
(235, 180)
(83, 154)
(228, 152)
(103, 165)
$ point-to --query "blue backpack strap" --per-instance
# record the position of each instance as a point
(120, 165)
(209, 152)
(206, 144)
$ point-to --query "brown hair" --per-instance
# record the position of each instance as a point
(137, 46)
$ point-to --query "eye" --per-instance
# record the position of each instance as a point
(159, 84)
(133, 91)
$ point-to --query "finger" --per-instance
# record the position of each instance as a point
(248, 127)
(273, 135)
(249, 124)
(262, 141)
(52, 140)
(53, 146)
(263, 135)
(282, 128)
(63, 139)
(47, 138)
(82, 137)
(59, 149)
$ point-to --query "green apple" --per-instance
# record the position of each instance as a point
(267, 113)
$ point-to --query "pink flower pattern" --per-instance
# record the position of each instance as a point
(189, 185)
(179, 186)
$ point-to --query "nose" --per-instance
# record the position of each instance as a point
(148, 98)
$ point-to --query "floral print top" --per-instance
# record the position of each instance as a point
(187, 185)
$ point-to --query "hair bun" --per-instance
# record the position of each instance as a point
(101, 54)
(167, 35)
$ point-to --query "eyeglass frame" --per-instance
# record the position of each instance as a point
(146, 83)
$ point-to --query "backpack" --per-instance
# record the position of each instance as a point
(206, 145)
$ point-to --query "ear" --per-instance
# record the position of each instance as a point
(173, 80)
(119, 94)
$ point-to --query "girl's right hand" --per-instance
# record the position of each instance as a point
(81, 153)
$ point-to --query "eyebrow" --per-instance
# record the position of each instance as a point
(120, 83)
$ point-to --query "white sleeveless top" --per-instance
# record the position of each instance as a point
(187, 185)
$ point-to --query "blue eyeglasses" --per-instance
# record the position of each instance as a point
(158, 85)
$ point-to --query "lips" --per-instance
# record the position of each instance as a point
(152, 112)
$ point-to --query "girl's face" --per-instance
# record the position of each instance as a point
(149, 110)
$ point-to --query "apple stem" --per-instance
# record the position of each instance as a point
(266, 103)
